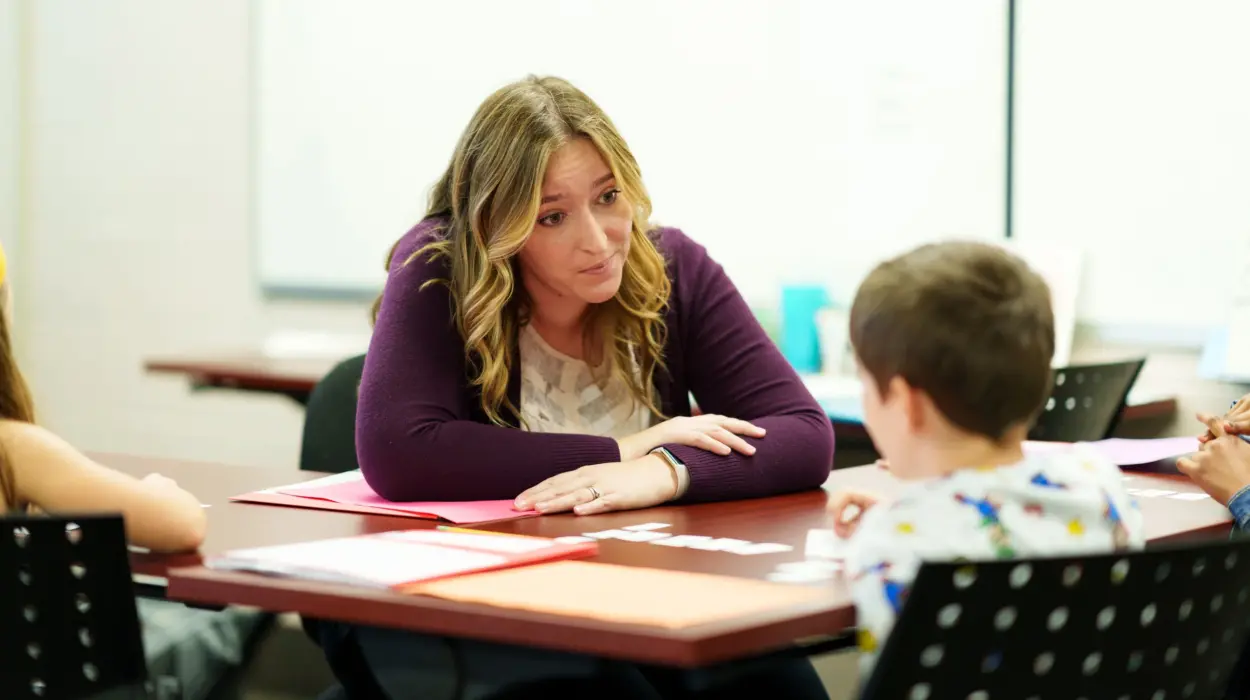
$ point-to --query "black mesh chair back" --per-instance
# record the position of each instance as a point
(1155, 625)
(1086, 402)
(68, 624)
(329, 442)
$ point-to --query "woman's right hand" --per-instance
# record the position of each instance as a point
(716, 434)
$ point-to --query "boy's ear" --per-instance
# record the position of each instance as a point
(914, 402)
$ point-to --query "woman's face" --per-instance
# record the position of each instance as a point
(580, 241)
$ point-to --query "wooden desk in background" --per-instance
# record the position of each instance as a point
(296, 377)
(783, 519)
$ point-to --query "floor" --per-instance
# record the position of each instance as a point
(288, 666)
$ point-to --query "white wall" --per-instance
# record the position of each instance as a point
(135, 187)
(9, 157)
(137, 238)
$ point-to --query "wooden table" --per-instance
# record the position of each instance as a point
(286, 376)
(784, 519)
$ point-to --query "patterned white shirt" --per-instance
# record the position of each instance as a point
(562, 394)
(1068, 500)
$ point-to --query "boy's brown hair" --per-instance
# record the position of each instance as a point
(969, 324)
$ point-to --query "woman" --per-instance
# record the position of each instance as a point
(41, 472)
(538, 339)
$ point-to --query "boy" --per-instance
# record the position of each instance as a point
(954, 343)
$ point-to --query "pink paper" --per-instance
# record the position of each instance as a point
(358, 493)
(1127, 453)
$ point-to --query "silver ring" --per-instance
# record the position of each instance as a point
(594, 493)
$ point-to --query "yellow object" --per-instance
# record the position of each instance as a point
(4, 266)
(471, 531)
(626, 594)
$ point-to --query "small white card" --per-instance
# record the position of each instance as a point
(721, 544)
(1189, 496)
(764, 548)
(1149, 493)
(824, 544)
(647, 526)
(682, 540)
(627, 535)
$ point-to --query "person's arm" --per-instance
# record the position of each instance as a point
(54, 477)
(735, 369)
(415, 439)
(1239, 506)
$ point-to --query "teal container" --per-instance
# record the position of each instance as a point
(800, 336)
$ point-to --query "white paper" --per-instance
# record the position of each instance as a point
(647, 526)
(573, 539)
(681, 540)
(764, 548)
(490, 543)
(824, 544)
(1149, 493)
(798, 576)
(721, 544)
(376, 561)
(1189, 496)
(811, 565)
(343, 478)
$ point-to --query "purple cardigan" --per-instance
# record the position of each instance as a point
(421, 434)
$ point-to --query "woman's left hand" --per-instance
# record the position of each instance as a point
(600, 488)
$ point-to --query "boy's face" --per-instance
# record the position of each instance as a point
(889, 421)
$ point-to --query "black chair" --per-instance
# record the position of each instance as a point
(68, 624)
(1086, 402)
(329, 441)
(1156, 625)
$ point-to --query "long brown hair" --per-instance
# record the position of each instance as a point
(490, 195)
(15, 400)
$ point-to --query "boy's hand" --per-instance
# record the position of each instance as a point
(847, 507)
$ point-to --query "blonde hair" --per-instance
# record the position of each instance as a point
(490, 196)
(15, 399)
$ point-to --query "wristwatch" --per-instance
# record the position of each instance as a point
(678, 467)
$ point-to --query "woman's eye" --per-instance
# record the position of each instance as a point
(610, 196)
(555, 218)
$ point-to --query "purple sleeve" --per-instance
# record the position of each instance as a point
(415, 438)
(734, 369)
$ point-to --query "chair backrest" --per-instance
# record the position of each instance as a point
(1160, 624)
(1086, 401)
(329, 441)
(68, 624)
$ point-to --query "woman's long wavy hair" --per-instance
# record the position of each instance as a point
(490, 197)
(15, 400)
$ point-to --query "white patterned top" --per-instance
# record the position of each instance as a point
(561, 394)
(1065, 501)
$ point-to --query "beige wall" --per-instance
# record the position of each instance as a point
(134, 193)
(136, 237)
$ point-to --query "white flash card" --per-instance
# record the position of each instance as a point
(647, 526)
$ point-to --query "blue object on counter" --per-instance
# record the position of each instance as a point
(800, 336)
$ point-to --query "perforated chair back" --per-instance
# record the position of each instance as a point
(1086, 401)
(1156, 625)
(68, 624)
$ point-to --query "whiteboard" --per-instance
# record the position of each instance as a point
(1133, 145)
(799, 140)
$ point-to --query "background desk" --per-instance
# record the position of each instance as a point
(784, 519)
(296, 377)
